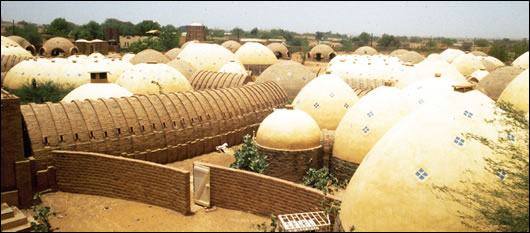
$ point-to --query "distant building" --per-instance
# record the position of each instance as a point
(195, 31)
(126, 41)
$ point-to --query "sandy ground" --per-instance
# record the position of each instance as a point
(80, 212)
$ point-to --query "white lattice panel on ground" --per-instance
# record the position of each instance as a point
(310, 221)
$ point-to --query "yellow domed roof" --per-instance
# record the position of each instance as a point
(116, 68)
(231, 45)
(338, 58)
(412, 57)
(292, 76)
(521, 61)
(495, 82)
(184, 67)
(398, 52)
(172, 53)
(495, 61)
(326, 98)
(74, 73)
(517, 92)
(478, 75)
(450, 54)
(149, 55)
(15, 51)
(279, 50)
(252, 53)
(19, 74)
(348, 71)
(187, 43)
(435, 57)
(478, 53)
(128, 57)
(429, 69)
(96, 55)
(8, 42)
(466, 64)
(61, 44)
(148, 78)
(288, 130)
(365, 50)
(233, 67)
(367, 121)
(392, 189)
(209, 57)
(20, 40)
(428, 91)
(95, 91)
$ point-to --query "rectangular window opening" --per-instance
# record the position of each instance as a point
(119, 130)
(76, 136)
(106, 135)
(131, 129)
(91, 134)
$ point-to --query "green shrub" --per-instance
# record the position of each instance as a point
(322, 179)
(41, 92)
(248, 158)
(41, 216)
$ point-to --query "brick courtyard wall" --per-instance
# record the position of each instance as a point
(260, 194)
(117, 177)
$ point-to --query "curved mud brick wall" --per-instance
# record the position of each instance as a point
(110, 176)
(291, 165)
(342, 169)
(327, 138)
(158, 128)
(8, 61)
(215, 80)
(261, 194)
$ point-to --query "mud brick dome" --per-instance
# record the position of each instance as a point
(172, 53)
(393, 187)
(327, 99)
(521, 61)
(149, 55)
(148, 78)
(517, 91)
(430, 69)
(209, 57)
(292, 76)
(365, 50)
(252, 53)
(466, 64)
(322, 52)
(450, 54)
(233, 67)
(231, 45)
(184, 67)
(58, 44)
(495, 82)
(279, 50)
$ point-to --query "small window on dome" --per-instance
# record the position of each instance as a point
(346, 105)
(370, 114)
(103, 75)
(366, 130)
(459, 141)
(468, 114)
(421, 174)
(316, 105)
(420, 101)
(331, 95)
(511, 137)
(92, 75)
(501, 174)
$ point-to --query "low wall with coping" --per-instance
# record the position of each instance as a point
(117, 177)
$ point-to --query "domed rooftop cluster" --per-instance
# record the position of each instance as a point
(209, 57)
(252, 53)
(152, 78)
(292, 76)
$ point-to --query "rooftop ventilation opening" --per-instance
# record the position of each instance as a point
(318, 57)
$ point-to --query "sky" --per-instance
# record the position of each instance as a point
(447, 19)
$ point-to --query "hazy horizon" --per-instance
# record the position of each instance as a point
(437, 19)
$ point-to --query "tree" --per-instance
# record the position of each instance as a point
(28, 31)
(145, 26)
(169, 38)
(415, 39)
(387, 41)
(238, 32)
(149, 43)
(319, 36)
(447, 41)
(519, 47)
(347, 45)
(126, 28)
(430, 44)
(254, 32)
(481, 43)
(466, 46)
(90, 31)
(499, 51)
(364, 39)
(502, 205)
(248, 158)
(59, 27)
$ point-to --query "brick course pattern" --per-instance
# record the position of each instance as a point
(12, 142)
(158, 128)
(215, 80)
(260, 194)
(342, 169)
(291, 165)
(110, 176)
(8, 61)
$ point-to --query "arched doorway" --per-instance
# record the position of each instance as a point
(31, 50)
(331, 56)
(57, 52)
(278, 55)
(318, 56)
